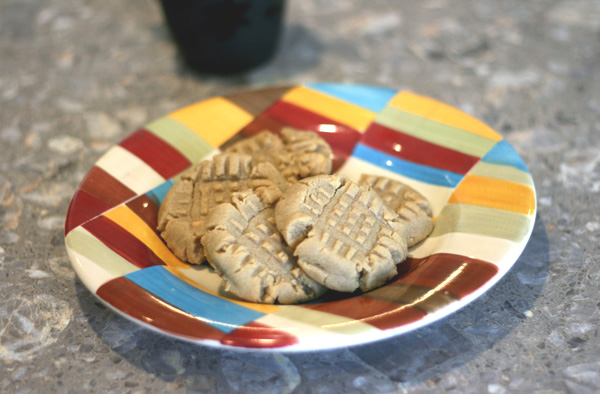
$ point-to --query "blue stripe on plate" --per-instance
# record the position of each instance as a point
(419, 172)
(504, 154)
(218, 312)
(159, 192)
(370, 97)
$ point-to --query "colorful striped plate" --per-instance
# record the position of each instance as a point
(482, 195)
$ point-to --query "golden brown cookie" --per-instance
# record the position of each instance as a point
(306, 155)
(344, 235)
(297, 154)
(244, 246)
(264, 146)
(182, 214)
(414, 209)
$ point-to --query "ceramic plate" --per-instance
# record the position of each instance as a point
(482, 195)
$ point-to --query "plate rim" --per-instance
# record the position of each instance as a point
(303, 344)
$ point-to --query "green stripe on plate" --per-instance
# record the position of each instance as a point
(434, 132)
(505, 173)
(181, 138)
(84, 243)
(473, 219)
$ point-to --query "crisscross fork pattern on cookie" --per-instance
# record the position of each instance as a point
(351, 222)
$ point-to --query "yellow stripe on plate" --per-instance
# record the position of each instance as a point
(494, 193)
(503, 172)
(133, 224)
(322, 321)
(442, 113)
(340, 111)
(215, 120)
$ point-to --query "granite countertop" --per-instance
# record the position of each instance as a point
(77, 77)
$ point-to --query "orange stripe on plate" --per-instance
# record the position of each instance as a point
(340, 111)
(442, 113)
(494, 193)
(136, 226)
(215, 120)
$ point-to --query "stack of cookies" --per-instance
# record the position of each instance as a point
(273, 223)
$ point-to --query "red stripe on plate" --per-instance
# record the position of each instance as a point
(265, 122)
(122, 242)
(105, 187)
(376, 312)
(138, 303)
(155, 152)
(262, 123)
(256, 335)
(341, 138)
(83, 207)
(258, 125)
(412, 149)
(447, 272)
(146, 209)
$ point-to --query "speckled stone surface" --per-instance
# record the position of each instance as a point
(79, 76)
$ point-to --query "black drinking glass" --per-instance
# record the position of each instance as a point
(225, 36)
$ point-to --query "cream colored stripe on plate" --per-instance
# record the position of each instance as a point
(494, 250)
(129, 169)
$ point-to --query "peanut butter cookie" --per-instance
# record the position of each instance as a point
(414, 209)
(344, 235)
(183, 212)
(244, 246)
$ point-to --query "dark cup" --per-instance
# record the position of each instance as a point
(225, 36)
